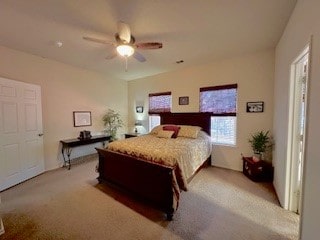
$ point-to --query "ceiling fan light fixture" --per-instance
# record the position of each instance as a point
(125, 50)
(125, 44)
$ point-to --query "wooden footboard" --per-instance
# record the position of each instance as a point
(150, 181)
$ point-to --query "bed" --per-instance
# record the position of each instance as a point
(151, 180)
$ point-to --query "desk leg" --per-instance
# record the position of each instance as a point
(68, 151)
(64, 159)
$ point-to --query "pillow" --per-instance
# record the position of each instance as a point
(172, 128)
(165, 134)
(156, 129)
(189, 131)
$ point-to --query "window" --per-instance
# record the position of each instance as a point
(223, 130)
(221, 101)
(158, 103)
(154, 120)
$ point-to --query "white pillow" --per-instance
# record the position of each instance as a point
(165, 134)
(189, 131)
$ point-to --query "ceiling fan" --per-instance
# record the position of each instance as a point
(125, 44)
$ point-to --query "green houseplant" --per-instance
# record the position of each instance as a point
(260, 141)
(112, 122)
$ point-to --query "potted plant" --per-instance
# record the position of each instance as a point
(112, 123)
(260, 141)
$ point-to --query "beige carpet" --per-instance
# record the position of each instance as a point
(221, 204)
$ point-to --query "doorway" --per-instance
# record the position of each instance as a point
(297, 128)
(21, 141)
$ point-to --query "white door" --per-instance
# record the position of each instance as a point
(298, 125)
(21, 143)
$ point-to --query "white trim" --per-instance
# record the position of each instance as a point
(1, 224)
(1, 227)
(288, 204)
(306, 137)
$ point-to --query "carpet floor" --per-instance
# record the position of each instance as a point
(220, 204)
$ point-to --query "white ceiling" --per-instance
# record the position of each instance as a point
(194, 31)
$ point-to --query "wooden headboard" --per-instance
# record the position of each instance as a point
(202, 120)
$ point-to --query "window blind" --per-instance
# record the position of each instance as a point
(219, 100)
(159, 102)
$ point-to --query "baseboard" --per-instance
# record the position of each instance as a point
(1, 224)
(1, 227)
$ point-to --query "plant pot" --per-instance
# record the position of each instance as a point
(256, 157)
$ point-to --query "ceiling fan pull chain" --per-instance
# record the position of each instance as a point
(126, 63)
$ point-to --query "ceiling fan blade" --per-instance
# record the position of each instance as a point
(124, 32)
(139, 56)
(97, 40)
(149, 45)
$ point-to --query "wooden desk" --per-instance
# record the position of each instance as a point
(68, 144)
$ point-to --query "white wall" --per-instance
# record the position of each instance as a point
(65, 89)
(254, 74)
(303, 23)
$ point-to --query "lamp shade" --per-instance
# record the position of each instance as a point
(125, 50)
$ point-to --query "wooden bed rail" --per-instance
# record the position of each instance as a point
(150, 181)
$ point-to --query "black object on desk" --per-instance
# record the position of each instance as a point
(68, 144)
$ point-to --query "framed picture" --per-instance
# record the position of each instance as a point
(183, 100)
(255, 107)
(139, 109)
(81, 118)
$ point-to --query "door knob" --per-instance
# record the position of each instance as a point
(40, 134)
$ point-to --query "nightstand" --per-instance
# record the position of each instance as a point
(130, 135)
(260, 171)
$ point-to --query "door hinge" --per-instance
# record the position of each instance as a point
(303, 79)
(301, 137)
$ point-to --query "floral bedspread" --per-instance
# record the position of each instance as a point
(186, 154)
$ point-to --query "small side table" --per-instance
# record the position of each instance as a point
(130, 135)
(260, 171)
